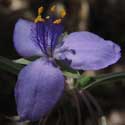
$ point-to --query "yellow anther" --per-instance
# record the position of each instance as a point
(36, 20)
(39, 19)
(40, 10)
(58, 21)
(53, 8)
(63, 13)
(47, 17)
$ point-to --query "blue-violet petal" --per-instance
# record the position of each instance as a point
(90, 52)
(38, 88)
(24, 42)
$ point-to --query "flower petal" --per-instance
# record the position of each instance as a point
(23, 38)
(90, 52)
(38, 88)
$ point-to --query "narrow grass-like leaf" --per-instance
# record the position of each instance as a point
(108, 77)
(8, 65)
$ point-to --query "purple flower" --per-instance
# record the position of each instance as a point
(41, 83)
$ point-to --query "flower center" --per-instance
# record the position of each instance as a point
(49, 28)
(53, 10)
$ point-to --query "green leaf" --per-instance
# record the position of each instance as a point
(8, 65)
(104, 78)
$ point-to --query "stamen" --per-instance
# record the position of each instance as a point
(53, 8)
(40, 10)
(47, 17)
(63, 13)
(58, 21)
(39, 17)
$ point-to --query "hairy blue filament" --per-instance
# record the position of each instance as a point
(47, 34)
(46, 37)
(40, 29)
(39, 39)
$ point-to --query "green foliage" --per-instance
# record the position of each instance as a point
(83, 82)
(9, 69)
(8, 65)
(22, 61)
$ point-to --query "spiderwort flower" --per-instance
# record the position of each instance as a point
(41, 83)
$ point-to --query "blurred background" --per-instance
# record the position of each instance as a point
(103, 17)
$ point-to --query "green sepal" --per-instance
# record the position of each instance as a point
(82, 81)
(74, 75)
(26, 61)
(22, 61)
